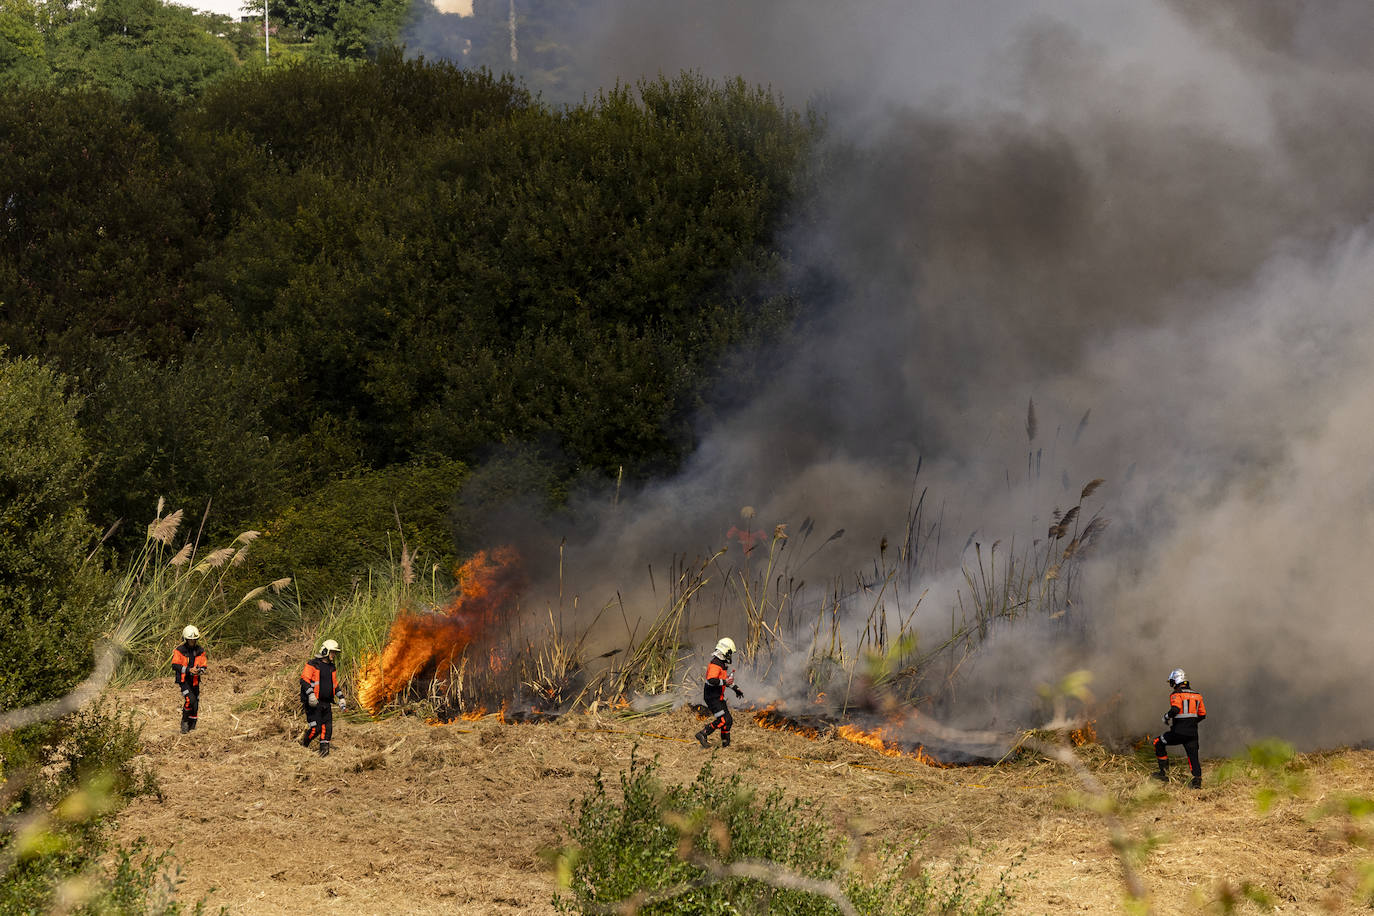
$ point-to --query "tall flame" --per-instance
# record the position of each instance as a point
(425, 645)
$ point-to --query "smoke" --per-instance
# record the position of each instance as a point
(1151, 215)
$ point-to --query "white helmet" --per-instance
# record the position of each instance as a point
(725, 648)
(329, 646)
(190, 633)
(1177, 676)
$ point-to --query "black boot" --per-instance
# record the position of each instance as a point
(185, 726)
(324, 748)
(725, 740)
(1162, 775)
(1197, 782)
(305, 738)
(703, 737)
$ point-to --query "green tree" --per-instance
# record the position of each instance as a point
(22, 58)
(47, 596)
(132, 46)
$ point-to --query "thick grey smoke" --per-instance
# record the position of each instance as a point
(1154, 212)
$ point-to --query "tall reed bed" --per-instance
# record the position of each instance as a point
(361, 620)
(173, 580)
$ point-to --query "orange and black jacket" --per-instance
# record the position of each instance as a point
(186, 658)
(319, 675)
(717, 679)
(1186, 710)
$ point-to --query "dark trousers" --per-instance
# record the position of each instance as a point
(321, 723)
(1189, 742)
(720, 719)
(190, 707)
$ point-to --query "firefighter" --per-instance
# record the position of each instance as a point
(1186, 710)
(718, 677)
(319, 689)
(189, 662)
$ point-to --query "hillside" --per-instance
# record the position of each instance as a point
(410, 818)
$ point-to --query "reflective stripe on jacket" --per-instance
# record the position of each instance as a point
(1186, 703)
(186, 658)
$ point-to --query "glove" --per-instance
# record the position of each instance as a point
(1166, 718)
(312, 699)
(738, 693)
(343, 704)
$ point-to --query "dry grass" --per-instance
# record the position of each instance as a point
(452, 819)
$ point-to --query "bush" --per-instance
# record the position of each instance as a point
(46, 593)
(350, 525)
(671, 847)
(62, 780)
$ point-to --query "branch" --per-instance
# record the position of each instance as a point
(107, 659)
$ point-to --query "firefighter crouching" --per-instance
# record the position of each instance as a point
(718, 677)
(189, 662)
(1186, 710)
(320, 689)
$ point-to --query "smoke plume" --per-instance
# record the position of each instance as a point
(1148, 218)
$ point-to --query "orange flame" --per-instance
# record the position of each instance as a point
(1087, 734)
(878, 741)
(425, 645)
(770, 717)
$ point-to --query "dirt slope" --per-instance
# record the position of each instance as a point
(408, 818)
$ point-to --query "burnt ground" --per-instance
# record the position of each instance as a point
(410, 818)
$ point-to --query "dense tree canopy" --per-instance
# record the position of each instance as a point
(319, 271)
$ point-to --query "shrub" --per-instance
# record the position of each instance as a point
(62, 780)
(351, 524)
(46, 592)
(671, 849)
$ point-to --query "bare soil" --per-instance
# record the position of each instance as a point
(405, 817)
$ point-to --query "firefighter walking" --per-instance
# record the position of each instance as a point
(319, 691)
(189, 663)
(1186, 710)
(718, 678)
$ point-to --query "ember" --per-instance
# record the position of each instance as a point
(817, 728)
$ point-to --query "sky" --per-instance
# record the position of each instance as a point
(1150, 218)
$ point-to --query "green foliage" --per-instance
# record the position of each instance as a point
(638, 845)
(62, 781)
(670, 848)
(360, 619)
(174, 580)
(47, 595)
(132, 46)
(99, 746)
(141, 883)
(124, 47)
(324, 272)
(349, 526)
(901, 887)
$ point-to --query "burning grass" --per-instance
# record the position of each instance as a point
(428, 647)
(469, 654)
(820, 728)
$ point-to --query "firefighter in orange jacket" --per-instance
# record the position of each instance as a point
(1186, 710)
(189, 662)
(319, 690)
(718, 678)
